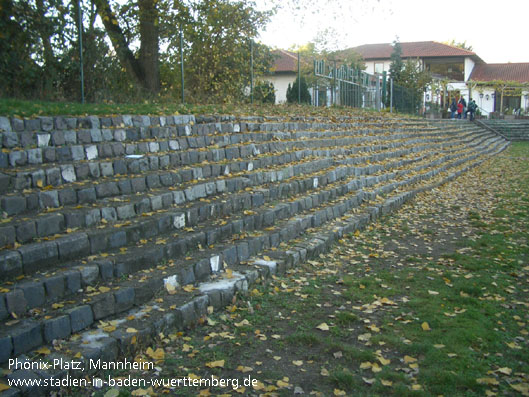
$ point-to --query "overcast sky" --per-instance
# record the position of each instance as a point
(498, 30)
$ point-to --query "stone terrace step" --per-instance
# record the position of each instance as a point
(56, 222)
(129, 334)
(110, 271)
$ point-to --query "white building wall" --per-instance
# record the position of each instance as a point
(469, 66)
(281, 82)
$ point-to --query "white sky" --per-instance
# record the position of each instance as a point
(498, 30)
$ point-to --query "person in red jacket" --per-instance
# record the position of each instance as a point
(459, 109)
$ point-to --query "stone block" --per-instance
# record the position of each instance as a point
(57, 328)
(126, 211)
(38, 256)
(109, 214)
(78, 152)
(89, 274)
(91, 152)
(16, 302)
(93, 217)
(107, 189)
(10, 139)
(49, 199)
(86, 195)
(33, 293)
(72, 279)
(50, 224)
(81, 317)
(73, 246)
(54, 287)
(10, 264)
(7, 235)
(13, 205)
(103, 306)
(67, 196)
(34, 156)
(124, 299)
(68, 173)
(6, 348)
(26, 337)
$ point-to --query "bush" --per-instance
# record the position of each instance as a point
(264, 92)
(292, 92)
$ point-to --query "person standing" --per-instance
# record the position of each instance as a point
(460, 108)
(462, 100)
(472, 106)
(453, 109)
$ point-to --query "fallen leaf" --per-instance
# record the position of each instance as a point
(215, 364)
(323, 327)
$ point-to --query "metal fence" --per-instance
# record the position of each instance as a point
(346, 86)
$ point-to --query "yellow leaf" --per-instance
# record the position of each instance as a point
(338, 392)
(504, 370)
(365, 365)
(244, 369)
(488, 381)
(157, 354)
(324, 372)
(386, 382)
(383, 360)
(409, 359)
(323, 327)
(188, 288)
(43, 350)
(425, 326)
(132, 330)
(242, 323)
(297, 363)
(3, 387)
(104, 289)
(215, 364)
(416, 387)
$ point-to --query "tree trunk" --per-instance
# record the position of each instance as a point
(145, 71)
(149, 49)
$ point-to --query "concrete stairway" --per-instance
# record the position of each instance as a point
(115, 230)
(513, 130)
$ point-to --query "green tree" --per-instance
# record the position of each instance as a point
(396, 66)
(264, 92)
(293, 91)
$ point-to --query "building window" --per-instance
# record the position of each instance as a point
(379, 67)
(454, 71)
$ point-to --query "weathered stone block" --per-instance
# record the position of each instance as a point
(33, 293)
(16, 302)
(10, 264)
(80, 318)
(50, 224)
(38, 256)
(73, 246)
(54, 288)
(26, 337)
(57, 328)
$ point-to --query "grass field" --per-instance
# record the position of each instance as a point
(430, 301)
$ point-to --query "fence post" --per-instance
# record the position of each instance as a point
(299, 81)
(384, 87)
(391, 95)
(182, 62)
(81, 72)
(377, 94)
(251, 71)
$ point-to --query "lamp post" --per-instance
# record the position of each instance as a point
(481, 100)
